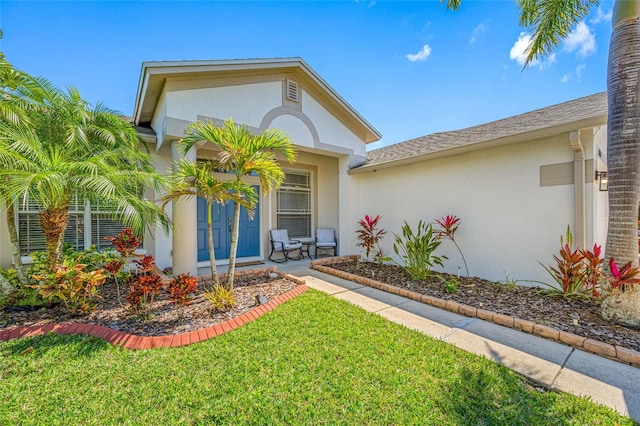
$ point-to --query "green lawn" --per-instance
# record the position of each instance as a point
(314, 360)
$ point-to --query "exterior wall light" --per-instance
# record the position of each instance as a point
(603, 181)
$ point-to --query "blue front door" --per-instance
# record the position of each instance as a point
(222, 218)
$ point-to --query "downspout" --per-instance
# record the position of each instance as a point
(579, 188)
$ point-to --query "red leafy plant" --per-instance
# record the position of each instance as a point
(369, 237)
(577, 272)
(449, 225)
(125, 243)
(623, 277)
(73, 285)
(180, 290)
(144, 286)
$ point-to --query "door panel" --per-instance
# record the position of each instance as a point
(222, 218)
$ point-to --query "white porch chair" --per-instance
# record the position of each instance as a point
(281, 243)
(326, 240)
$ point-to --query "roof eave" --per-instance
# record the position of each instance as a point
(489, 143)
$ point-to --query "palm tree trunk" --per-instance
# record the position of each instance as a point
(212, 252)
(53, 223)
(15, 243)
(623, 132)
(234, 245)
(623, 160)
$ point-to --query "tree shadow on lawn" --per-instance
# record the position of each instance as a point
(494, 394)
(74, 346)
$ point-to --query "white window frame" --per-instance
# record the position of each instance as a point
(293, 188)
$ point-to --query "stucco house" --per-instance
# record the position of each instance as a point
(515, 183)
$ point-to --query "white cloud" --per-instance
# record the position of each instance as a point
(581, 39)
(601, 16)
(564, 78)
(421, 55)
(478, 30)
(521, 49)
(579, 70)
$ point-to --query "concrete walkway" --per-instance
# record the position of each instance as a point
(549, 363)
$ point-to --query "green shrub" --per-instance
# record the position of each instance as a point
(451, 286)
(221, 298)
(416, 249)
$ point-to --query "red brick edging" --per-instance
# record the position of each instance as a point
(132, 341)
(618, 353)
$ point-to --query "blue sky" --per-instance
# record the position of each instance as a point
(410, 68)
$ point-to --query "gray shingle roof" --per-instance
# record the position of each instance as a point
(557, 118)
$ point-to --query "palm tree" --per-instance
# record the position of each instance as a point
(66, 149)
(198, 180)
(241, 154)
(18, 91)
(550, 23)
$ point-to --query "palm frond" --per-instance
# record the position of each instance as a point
(550, 22)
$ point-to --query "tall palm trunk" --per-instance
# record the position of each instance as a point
(212, 250)
(234, 245)
(623, 159)
(53, 223)
(623, 132)
(15, 243)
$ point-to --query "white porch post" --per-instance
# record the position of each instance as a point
(185, 226)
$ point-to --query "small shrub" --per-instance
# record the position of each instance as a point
(369, 237)
(577, 273)
(623, 277)
(416, 249)
(449, 225)
(180, 290)
(144, 286)
(73, 285)
(221, 298)
(510, 282)
(125, 242)
(451, 286)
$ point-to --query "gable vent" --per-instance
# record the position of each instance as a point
(293, 91)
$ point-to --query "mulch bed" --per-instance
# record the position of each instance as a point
(521, 302)
(197, 315)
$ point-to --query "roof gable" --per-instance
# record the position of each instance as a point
(154, 75)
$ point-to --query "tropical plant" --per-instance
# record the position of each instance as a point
(568, 274)
(198, 180)
(624, 277)
(221, 298)
(180, 290)
(451, 285)
(73, 285)
(67, 150)
(550, 23)
(369, 237)
(144, 286)
(449, 225)
(416, 249)
(242, 154)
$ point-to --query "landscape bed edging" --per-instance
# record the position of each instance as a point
(607, 350)
(135, 342)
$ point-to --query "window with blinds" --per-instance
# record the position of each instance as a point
(294, 204)
(87, 225)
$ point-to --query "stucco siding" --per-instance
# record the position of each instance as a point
(330, 130)
(246, 103)
(295, 129)
(509, 222)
